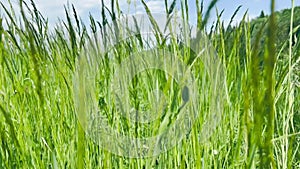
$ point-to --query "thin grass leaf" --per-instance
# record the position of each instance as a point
(158, 34)
(234, 14)
(207, 14)
(172, 7)
(270, 60)
(11, 126)
(76, 19)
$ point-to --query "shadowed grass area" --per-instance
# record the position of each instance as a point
(39, 127)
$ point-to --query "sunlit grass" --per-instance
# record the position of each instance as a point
(39, 127)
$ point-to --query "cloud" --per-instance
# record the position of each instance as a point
(155, 6)
(54, 9)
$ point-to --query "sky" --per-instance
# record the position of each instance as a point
(54, 9)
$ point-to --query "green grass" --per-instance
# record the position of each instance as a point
(41, 126)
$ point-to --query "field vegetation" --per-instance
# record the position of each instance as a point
(260, 113)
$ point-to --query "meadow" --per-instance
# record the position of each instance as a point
(51, 79)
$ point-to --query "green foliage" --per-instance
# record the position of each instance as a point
(283, 22)
(260, 119)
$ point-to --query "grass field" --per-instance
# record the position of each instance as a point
(51, 79)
